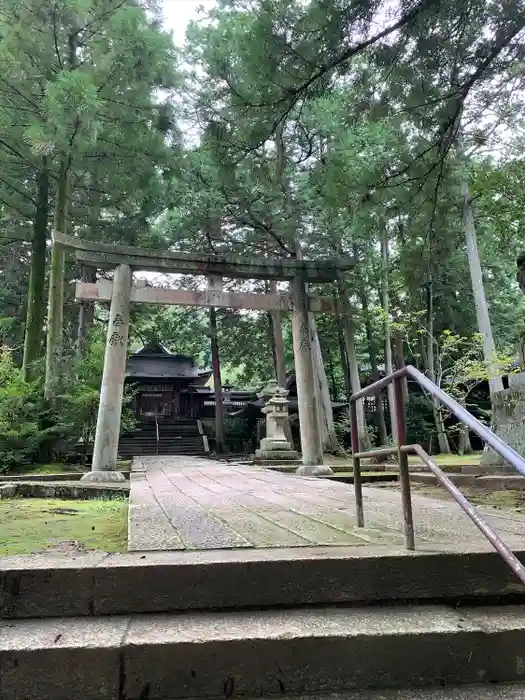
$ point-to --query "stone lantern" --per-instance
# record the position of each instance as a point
(275, 445)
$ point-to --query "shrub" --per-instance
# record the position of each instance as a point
(21, 408)
(30, 431)
(420, 424)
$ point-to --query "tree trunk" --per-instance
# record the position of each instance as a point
(399, 359)
(326, 415)
(388, 340)
(353, 367)
(220, 442)
(443, 442)
(89, 274)
(331, 367)
(55, 312)
(465, 446)
(344, 358)
(37, 280)
(372, 353)
(278, 342)
(478, 289)
(86, 313)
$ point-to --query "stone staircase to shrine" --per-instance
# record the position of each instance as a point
(179, 438)
(335, 623)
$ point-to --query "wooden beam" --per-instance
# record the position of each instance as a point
(105, 255)
(103, 290)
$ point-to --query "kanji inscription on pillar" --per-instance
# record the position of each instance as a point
(118, 320)
(305, 337)
(116, 339)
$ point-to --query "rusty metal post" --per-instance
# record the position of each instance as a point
(404, 474)
(358, 486)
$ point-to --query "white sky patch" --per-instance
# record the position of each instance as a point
(179, 13)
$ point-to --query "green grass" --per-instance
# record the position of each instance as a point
(29, 525)
(53, 468)
(61, 468)
(458, 460)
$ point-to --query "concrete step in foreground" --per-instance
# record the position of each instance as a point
(498, 691)
(100, 584)
(260, 653)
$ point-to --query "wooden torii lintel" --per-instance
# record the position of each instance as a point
(103, 291)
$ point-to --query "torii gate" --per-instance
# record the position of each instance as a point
(121, 293)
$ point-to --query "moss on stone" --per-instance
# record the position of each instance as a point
(35, 525)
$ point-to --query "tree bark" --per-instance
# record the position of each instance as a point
(465, 446)
(478, 289)
(353, 366)
(278, 342)
(372, 353)
(331, 367)
(89, 274)
(220, 442)
(388, 340)
(55, 313)
(37, 280)
(86, 313)
(399, 360)
(344, 358)
(443, 442)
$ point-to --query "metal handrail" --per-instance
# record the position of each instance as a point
(402, 450)
(157, 432)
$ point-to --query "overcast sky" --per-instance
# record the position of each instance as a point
(177, 14)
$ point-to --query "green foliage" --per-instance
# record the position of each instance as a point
(309, 143)
(76, 416)
(239, 434)
(21, 406)
(31, 431)
(420, 423)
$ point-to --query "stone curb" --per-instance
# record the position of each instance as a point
(429, 478)
(489, 482)
(63, 476)
(73, 490)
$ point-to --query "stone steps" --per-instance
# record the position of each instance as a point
(187, 445)
(260, 653)
(155, 582)
(496, 691)
(180, 438)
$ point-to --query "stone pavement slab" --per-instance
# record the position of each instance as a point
(189, 503)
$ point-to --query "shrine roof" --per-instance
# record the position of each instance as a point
(155, 350)
(154, 361)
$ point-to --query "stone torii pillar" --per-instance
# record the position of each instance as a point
(112, 388)
(311, 446)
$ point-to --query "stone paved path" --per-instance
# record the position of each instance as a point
(181, 503)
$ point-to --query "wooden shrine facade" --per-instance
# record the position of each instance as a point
(168, 387)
